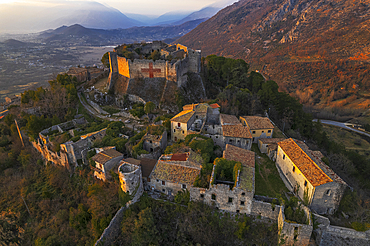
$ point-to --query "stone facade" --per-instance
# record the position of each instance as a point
(235, 200)
(291, 233)
(172, 71)
(70, 152)
(327, 235)
(130, 176)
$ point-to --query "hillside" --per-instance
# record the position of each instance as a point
(318, 51)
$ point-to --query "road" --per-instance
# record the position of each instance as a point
(93, 112)
(342, 125)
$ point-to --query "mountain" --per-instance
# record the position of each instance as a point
(26, 17)
(206, 12)
(317, 50)
(77, 34)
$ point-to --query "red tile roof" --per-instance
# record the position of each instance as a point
(174, 173)
(227, 119)
(215, 105)
(106, 155)
(304, 163)
(180, 157)
(245, 157)
(257, 122)
(236, 131)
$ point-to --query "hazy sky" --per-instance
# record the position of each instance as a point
(146, 7)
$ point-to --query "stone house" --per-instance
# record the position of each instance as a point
(175, 172)
(237, 199)
(146, 167)
(226, 119)
(157, 141)
(304, 173)
(269, 146)
(180, 124)
(104, 162)
(260, 127)
(236, 135)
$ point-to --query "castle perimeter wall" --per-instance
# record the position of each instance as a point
(266, 210)
(123, 66)
(327, 235)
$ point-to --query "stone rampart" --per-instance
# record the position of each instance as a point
(327, 235)
(291, 233)
(265, 210)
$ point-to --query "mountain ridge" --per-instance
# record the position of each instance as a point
(316, 50)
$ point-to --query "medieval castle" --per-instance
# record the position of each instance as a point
(149, 70)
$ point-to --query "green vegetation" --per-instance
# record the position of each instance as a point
(137, 110)
(155, 130)
(111, 110)
(293, 211)
(105, 60)
(62, 208)
(153, 222)
(267, 179)
(226, 170)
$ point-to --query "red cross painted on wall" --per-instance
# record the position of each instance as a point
(151, 71)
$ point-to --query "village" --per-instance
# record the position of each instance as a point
(167, 157)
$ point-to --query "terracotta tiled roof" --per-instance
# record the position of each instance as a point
(180, 157)
(174, 173)
(189, 107)
(183, 116)
(131, 161)
(257, 122)
(316, 156)
(236, 131)
(215, 105)
(304, 163)
(105, 156)
(227, 119)
(271, 140)
(245, 157)
(147, 166)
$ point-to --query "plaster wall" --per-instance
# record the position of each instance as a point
(182, 131)
(293, 179)
(264, 133)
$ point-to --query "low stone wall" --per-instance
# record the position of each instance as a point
(291, 233)
(327, 235)
(136, 99)
(114, 229)
(266, 210)
(96, 107)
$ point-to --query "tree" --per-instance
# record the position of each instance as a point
(156, 55)
(149, 108)
(105, 60)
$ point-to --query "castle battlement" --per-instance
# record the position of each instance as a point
(174, 64)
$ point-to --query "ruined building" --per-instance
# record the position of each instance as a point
(151, 79)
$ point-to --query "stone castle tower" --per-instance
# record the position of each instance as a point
(130, 177)
(176, 61)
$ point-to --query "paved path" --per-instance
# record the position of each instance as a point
(342, 125)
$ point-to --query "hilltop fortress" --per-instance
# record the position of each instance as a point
(151, 70)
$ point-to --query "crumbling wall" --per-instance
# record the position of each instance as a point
(266, 210)
(327, 235)
(220, 195)
(291, 233)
